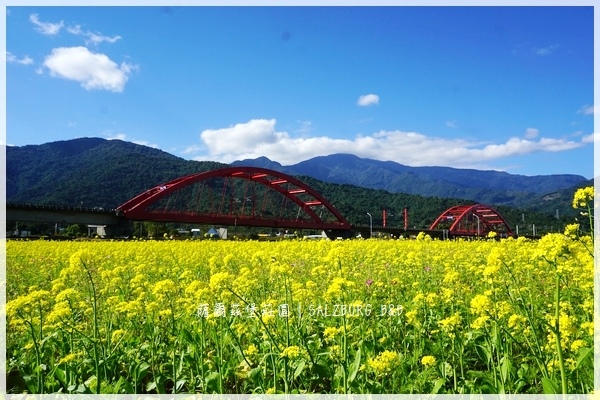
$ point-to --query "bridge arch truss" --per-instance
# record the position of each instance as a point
(472, 220)
(245, 196)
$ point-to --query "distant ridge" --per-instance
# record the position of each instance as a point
(490, 187)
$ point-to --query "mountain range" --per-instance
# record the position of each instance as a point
(487, 187)
(95, 172)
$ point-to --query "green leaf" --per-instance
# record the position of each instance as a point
(505, 368)
(438, 385)
(140, 371)
(522, 372)
(550, 387)
(179, 384)
(31, 383)
(150, 386)
(484, 353)
(60, 376)
(256, 374)
(488, 388)
(123, 386)
(185, 334)
(355, 366)
(583, 356)
(299, 368)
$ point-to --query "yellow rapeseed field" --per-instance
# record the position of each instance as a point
(355, 316)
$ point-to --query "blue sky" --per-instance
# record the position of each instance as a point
(505, 88)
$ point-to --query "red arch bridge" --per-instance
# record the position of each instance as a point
(259, 197)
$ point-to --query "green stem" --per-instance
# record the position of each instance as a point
(561, 361)
(95, 341)
(37, 356)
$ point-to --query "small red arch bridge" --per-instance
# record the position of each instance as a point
(251, 196)
(472, 220)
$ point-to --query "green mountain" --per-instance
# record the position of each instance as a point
(95, 172)
(90, 172)
(487, 187)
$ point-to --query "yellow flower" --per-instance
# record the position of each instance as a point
(481, 304)
(329, 333)
(480, 322)
(335, 352)
(583, 196)
(428, 361)
(589, 326)
(66, 294)
(516, 321)
(576, 345)
(572, 230)
(411, 317)
(451, 276)
(68, 358)
(117, 334)
(431, 299)
(61, 310)
(337, 287)
(450, 323)
(292, 352)
(252, 350)
(384, 363)
(220, 280)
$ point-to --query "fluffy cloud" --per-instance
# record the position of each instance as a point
(46, 28)
(260, 138)
(256, 133)
(91, 70)
(368, 100)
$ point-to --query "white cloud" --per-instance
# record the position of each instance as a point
(94, 38)
(451, 124)
(12, 59)
(368, 100)
(46, 28)
(591, 138)
(253, 134)
(531, 133)
(192, 149)
(305, 128)
(544, 51)
(588, 110)
(118, 136)
(91, 70)
(145, 143)
(121, 136)
(259, 137)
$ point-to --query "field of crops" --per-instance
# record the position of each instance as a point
(356, 316)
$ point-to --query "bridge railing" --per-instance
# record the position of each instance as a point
(34, 206)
